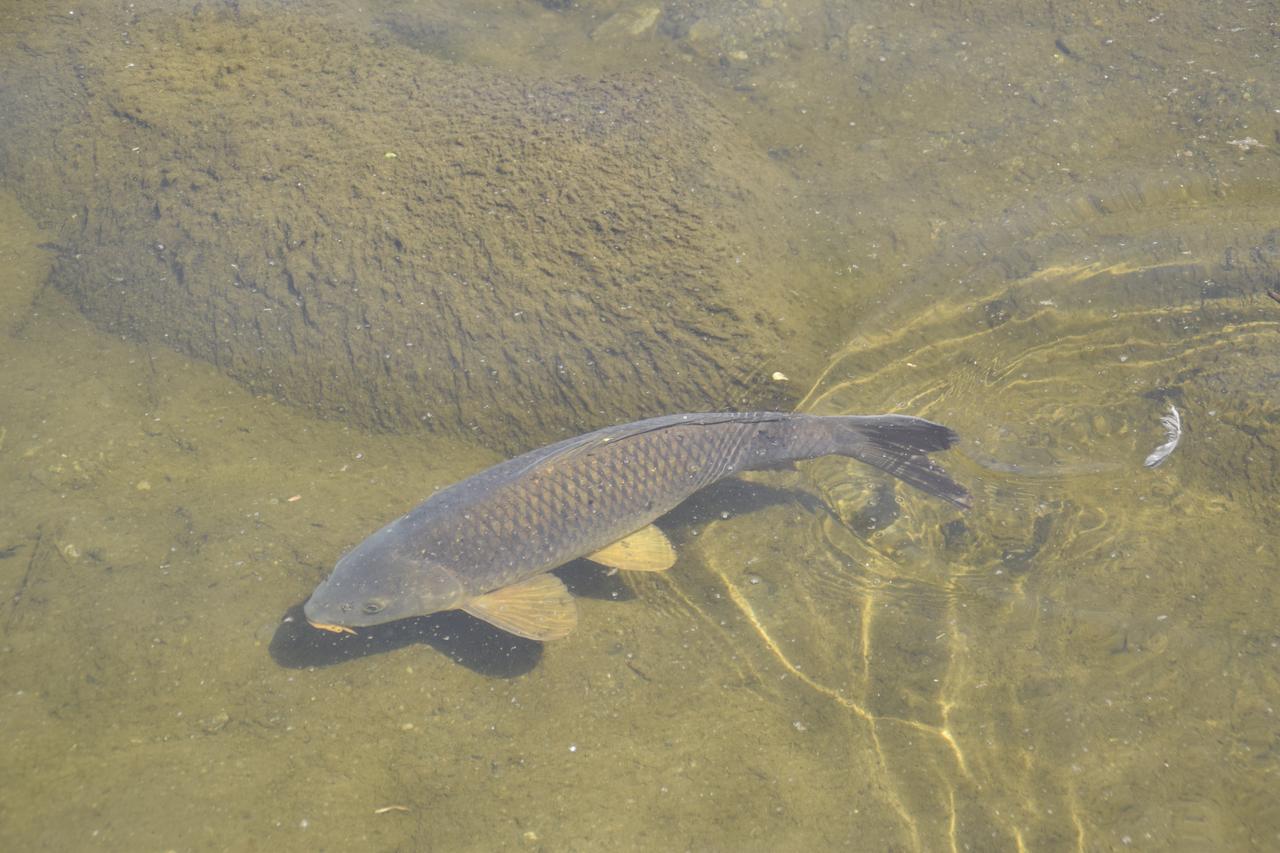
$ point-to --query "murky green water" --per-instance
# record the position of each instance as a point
(1041, 226)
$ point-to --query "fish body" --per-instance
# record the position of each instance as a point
(487, 543)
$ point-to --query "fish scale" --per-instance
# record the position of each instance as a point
(578, 502)
(505, 526)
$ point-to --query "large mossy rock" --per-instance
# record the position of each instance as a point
(376, 234)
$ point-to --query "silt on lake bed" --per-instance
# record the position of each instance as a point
(486, 545)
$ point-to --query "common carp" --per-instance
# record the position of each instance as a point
(486, 545)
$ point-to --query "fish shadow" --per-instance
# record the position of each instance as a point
(465, 640)
(490, 651)
(585, 579)
(462, 638)
(735, 497)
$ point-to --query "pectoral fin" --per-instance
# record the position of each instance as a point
(646, 550)
(539, 608)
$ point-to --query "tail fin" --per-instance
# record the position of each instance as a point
(898, 444)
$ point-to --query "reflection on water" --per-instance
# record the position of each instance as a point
(1041, 230)
(1034, 672)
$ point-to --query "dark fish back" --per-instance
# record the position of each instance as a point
(552, 505)
(567, 500)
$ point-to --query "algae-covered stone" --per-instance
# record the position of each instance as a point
(539, 256)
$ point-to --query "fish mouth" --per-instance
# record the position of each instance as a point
(334, 629)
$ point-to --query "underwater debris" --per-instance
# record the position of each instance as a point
(1172, 424)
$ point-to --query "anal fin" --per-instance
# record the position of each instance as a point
(539, 608)
(646, 550)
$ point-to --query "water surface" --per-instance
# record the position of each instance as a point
(1042, 227)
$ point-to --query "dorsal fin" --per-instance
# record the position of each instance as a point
(611, 435)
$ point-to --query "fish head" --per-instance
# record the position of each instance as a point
(382, 579)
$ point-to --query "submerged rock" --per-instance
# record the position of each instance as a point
(377, 235)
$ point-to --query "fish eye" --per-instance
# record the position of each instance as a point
(373, 606)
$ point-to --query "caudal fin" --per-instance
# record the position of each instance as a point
(897, 444)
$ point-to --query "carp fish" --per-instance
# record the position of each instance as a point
(487, 544)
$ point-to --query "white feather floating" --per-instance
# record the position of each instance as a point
(1172, 424)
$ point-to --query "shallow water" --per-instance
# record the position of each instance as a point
(1043, 228)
